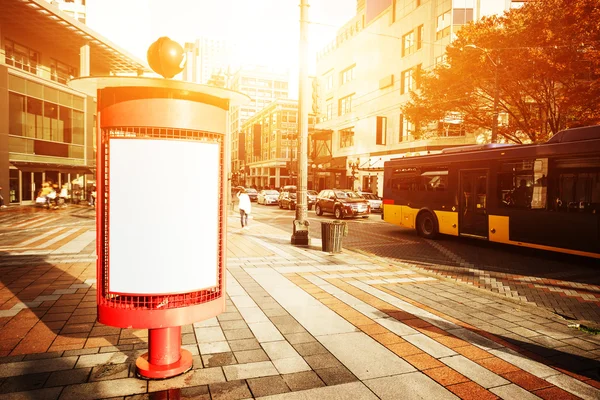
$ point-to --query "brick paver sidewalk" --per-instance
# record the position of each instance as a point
(300, 324)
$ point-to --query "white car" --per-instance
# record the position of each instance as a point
(267, 197)
(374, 201)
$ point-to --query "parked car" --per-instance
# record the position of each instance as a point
(287, 199)
(375, 202)
(267, 197)
(342, 203)
(311, 197)
(252, 193)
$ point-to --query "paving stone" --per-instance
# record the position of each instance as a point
(24, 382)
(278, 350)
(231, 325)
(103, 389)
(214, 347)
(209, 335)
(218, 359)
(238, 334)
(513, 391)
(250, 370)
(93, 360)
(445, 376)
(303, 380)
(471, 390)
(195, 377)
(372, 361)
(354, 391)
(408, 386)
(526, 380)
(234, 390)
(244, 344)
(268, 385)
(40, 394)
(301, 337)
(195, 393)
(473, 371)
(429, 345)
(36, 366)
(309, 349)
(291, 365)
(109, 371)
(533, 367)
(68, 377)
(575, 387)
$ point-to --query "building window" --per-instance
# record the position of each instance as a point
(443, 25)
(408, 44)
(406, 129)
(345, 105)
(407, 81)
(441, 60)
(420, 35)
(347, 75)
(381, 131)
(21, 57)
(462, 16)
(347, 137)
(329, 81)
(328, 109)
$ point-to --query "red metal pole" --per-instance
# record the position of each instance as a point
(165, 357)
(164, 345)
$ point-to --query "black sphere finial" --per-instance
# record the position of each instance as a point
(166, 57)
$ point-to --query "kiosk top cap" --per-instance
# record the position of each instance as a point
(91, 84)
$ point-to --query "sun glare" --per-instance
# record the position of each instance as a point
(261, 32)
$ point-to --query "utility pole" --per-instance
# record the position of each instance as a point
(300, 233)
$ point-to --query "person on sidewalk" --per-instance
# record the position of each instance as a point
(245, 207)
(2, 205)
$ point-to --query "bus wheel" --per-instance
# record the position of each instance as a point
(426, 226)
(318, 210)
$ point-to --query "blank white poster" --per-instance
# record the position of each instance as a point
(163, 215)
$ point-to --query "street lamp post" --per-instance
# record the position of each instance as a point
(300, 234)
(495, 112)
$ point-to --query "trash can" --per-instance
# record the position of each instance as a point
(332, 233)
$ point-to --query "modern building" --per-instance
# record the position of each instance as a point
(367, 73)
(204, 57)
(263, 85)
(47, 130)
(268, 146)
(73, 8)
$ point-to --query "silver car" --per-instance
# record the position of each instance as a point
(375, 202)
(267, 197)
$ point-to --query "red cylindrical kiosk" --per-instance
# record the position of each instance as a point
(161, 209)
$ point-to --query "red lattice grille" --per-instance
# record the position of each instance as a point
(157, 301)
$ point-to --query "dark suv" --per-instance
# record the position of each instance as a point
(342, 203)
(287, 198)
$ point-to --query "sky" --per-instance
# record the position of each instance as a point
(265, 31)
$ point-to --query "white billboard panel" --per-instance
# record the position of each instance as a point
(163, 216)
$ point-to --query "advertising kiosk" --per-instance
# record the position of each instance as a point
(161, 209)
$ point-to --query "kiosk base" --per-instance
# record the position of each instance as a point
(165, 357)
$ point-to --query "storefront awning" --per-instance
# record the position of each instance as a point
(42, 167)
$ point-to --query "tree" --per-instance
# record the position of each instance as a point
(547, 62)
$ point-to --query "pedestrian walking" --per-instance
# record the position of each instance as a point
(244, 206)
(2, 205)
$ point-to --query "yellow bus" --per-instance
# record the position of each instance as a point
(544, 196)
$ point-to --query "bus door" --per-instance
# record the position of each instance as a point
(473, 218)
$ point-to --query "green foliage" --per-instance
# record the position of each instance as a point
(547, 59)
